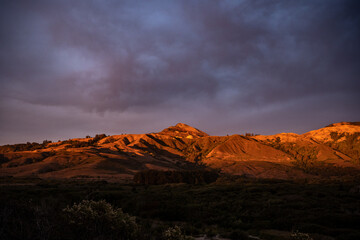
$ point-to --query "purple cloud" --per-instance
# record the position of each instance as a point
(68, 68)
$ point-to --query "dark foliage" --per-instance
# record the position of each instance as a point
(232, 209)
(3, 159)
(99, 220)
(153, 177)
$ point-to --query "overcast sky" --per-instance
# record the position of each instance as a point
(75, 68)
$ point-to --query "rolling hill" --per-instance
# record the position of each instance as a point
(328, 152)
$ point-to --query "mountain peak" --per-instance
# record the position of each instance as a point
(181, 125)
(186, 127)
(183, 130)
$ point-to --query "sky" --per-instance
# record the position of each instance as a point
(75, 68)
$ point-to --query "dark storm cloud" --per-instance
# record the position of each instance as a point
(221, 65)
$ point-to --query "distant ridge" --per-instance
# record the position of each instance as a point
(344, 123)
(329, 152)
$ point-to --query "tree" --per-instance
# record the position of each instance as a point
(45, 142)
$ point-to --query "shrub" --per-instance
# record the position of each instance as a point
(300, 236)
(175, 233)
(98, 137)
(98, 219)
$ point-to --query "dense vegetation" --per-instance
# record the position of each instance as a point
(163, 177)
(232, 207)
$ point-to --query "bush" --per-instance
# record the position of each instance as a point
(175, 233)
(300, 236)
(98, 219)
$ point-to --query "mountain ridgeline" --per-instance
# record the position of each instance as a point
(186, 153)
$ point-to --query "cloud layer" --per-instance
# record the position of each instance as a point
(70, 68)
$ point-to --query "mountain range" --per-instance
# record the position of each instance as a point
(329, 152)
